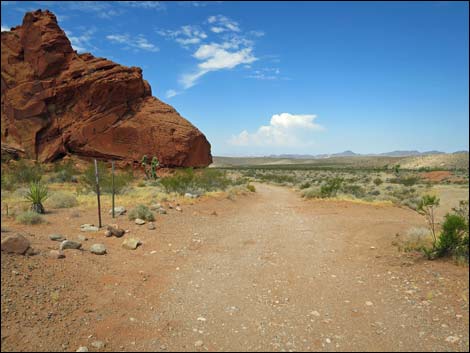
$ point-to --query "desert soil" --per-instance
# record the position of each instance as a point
(268, 272)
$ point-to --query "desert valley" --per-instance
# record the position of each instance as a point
(174, 249)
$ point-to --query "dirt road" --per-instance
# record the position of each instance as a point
(269, 272)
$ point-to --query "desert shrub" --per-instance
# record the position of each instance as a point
(405, 180)
(378, 181)
(142, 212)
(121, 179)
(276, 178)
(251, 187)
(305, 185)
(453, 239)
(417, 239)
(37, 194)
(187, 180)
(64, 172)
(311, 193)
(62, 200)
(29, 218)
(331, 187)
(374, 192)
(355, 190)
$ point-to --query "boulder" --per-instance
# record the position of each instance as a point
(117, 232)
(98, 249)
(119, 210)
(114, 116)
(131, 243)
(15, 244)
(70, 244)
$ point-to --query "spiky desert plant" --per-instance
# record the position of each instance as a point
(144, 163)
(37, 194)
(427, 206)
(154, 166)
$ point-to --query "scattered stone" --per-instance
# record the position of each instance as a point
(151, 226)
(214, 213)
(107, 233)
(98, 344)
(368, 303)
(70, 244)
(161, 210)
(131, 243)
(118, 210)
(15, 244)
(315, 313)
(82, 238)
(31, 252)
(82, 349)
(372, 247)
(98, 249)
(139, 221)
(155, 206)
(116, 231)
(56, 254)
(88, 228)
(203, 319)
(56, 237)
(191, 196)
(170, 206)
(328, 340)
(177, 208)
(452, 339)
(198, 343)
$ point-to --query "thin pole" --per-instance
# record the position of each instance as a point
(112, 163)
(98, 193)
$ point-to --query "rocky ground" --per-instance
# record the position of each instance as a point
(267, 272)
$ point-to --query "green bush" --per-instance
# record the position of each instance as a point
(251, 187)
(453, 239)
(121, 179)
(37, 194)
(29, 218)
(187, 180)
(355, 190)
(311, 193)
(142, 212)
(331, 187)
(305, 185)
(21, 172)
(64, 172)
(62, 200)
(378, 181)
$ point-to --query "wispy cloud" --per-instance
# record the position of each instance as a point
(5, 28)
(82, 42)
(155, 5)
(267, 73)
(198, 3)
(185, 35)
(221, 23)
(284, 129)
(136, 42)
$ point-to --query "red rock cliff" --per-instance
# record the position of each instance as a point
(57, 102)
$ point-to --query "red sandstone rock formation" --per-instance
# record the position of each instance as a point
(57, 102)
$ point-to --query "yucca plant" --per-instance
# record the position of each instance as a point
(37, 194)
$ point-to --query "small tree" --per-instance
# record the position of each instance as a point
(426, 206)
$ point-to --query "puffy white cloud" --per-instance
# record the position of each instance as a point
(81, 42)
(138, 43)
(185, 35)
(5, 28)
(284, 129)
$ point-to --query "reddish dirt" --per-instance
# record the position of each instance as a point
(56, 102)
(269, 272)
(437, 176)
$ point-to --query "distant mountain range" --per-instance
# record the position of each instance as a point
(353, 154)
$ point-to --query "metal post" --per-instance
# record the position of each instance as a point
(98, 193)
(112, 164)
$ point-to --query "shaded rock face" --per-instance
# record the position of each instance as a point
(57, 102)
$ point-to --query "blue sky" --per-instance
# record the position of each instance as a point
(262, 78)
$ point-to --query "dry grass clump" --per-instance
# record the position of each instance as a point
(29, 218)
(60, 199)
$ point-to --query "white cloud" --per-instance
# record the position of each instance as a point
(5, 28)
(216, 57)
(266, 74)
(186, 35)
(156, 5)
(171, 93)
(81, 43)
(284, 129)
(222, 23)
(138, 43)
